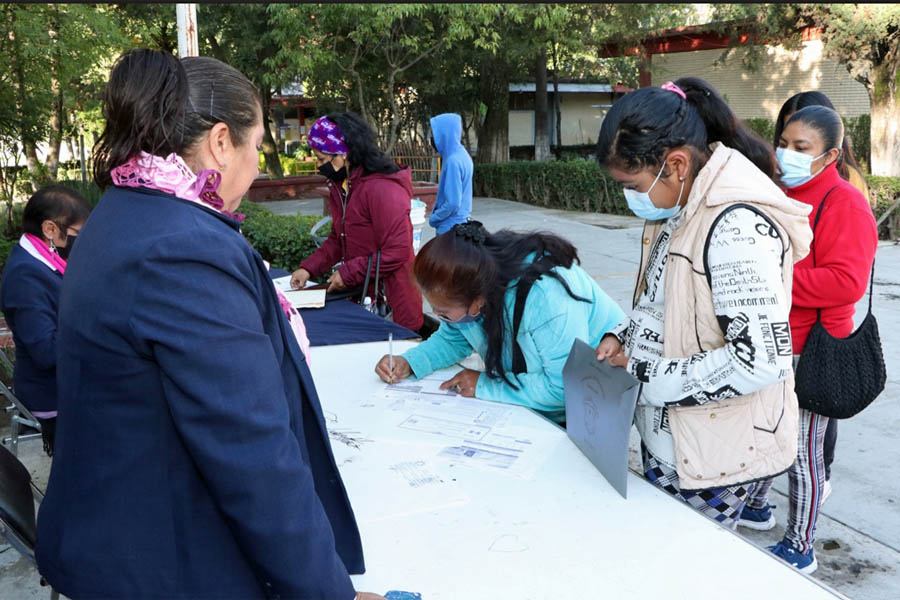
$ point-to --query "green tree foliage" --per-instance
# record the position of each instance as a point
(53, 52)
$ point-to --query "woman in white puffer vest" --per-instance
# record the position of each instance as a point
(708, 337)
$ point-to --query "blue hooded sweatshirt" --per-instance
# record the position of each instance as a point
(454, 197)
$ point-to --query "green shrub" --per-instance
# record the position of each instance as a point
(576, 184)
(88, 189)
(283, 240)
(14, 231)
(6, 247)
(884, 191)
(290, 165)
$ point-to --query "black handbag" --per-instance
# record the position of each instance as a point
(839, 377)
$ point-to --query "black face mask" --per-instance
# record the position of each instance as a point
(336, 175)
(64, 251)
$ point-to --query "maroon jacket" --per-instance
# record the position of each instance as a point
(374, 215)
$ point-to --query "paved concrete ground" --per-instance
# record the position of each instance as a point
(858, 545)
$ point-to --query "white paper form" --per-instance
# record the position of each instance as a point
(513, 451)
(476, 431)
(413, 483)
(283, 283)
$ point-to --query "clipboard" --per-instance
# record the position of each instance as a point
(600, 403)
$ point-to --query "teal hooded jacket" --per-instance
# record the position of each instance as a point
(454, 197)
(551, 321)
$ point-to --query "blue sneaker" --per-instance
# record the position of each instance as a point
(760, 519)
(805, 562)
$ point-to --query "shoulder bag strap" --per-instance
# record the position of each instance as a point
(813, 244)
(365, 289)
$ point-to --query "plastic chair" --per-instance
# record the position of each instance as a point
(319, 239)
(20, 414)
(17, 515)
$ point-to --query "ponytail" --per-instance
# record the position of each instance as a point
(157, 104)
(642, 126)
(722, 125)
(142, 105)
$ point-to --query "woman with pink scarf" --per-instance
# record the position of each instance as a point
(29, 296)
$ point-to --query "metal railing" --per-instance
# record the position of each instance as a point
(424, 167)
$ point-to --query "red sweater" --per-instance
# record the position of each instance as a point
(845, 241)
(376, 217)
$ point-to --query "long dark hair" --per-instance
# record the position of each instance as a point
(846, 160)
(362, 148)
(158, 104)
(469, 262)
(58, 203)
(643, 125)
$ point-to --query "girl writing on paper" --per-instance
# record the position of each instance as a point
(517, 299)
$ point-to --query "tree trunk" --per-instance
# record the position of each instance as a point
(29, 144)
(57, 119)
(541, 133)
(270, 150)
(885, 111)
(467, 140)
(493, 136)
(556, 108)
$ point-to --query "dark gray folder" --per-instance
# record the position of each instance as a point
(600, 401)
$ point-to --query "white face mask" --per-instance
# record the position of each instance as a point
(641, 205)
(796, 167)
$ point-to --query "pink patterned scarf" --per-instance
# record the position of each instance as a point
(172, 176)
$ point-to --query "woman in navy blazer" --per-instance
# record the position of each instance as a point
(29, 296)
(192, 459)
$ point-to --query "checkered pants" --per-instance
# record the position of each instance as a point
(722, 504)
(805, 480)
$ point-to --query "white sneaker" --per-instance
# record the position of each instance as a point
(826, 491)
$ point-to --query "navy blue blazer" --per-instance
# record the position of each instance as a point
(29, 298)
(191, 456)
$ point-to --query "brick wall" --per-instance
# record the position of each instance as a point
(782, 74)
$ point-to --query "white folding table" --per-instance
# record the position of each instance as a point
(559, 532)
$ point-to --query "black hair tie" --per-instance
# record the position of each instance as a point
(471, 231)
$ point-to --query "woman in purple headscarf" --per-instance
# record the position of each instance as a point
(369, 198)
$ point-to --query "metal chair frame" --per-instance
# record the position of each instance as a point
(20, 414)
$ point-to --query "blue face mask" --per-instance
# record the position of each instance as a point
(641, 205)
(466, 318)
(796, 167)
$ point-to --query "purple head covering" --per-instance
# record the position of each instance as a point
(325, 136)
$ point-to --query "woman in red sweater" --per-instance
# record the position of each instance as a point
(849, 170)
(844, 244)
(369, 198)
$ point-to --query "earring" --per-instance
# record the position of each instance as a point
(52, 246)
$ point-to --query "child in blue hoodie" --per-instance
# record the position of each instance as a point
(454, 197)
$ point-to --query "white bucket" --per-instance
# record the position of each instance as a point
(417, 216)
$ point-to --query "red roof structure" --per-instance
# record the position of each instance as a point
(690, 39)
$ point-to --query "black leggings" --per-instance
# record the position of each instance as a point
(828, 448)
